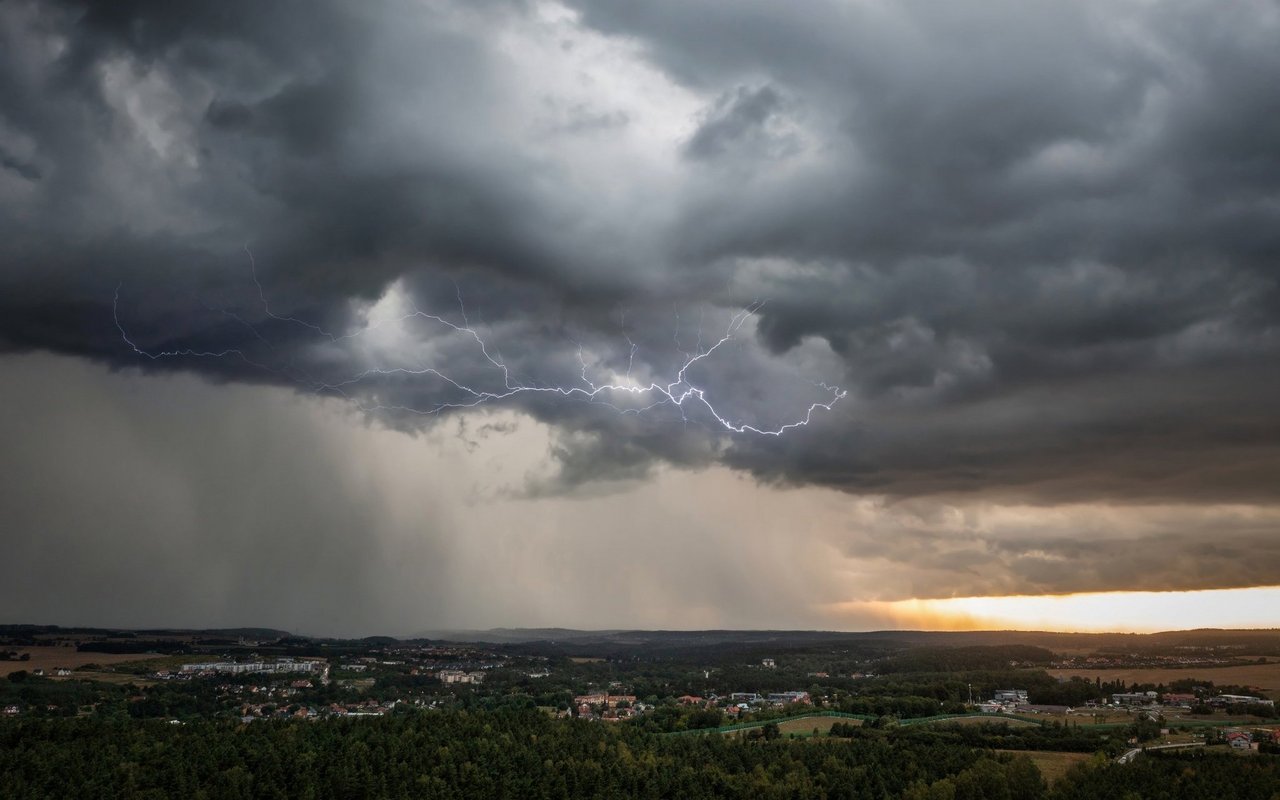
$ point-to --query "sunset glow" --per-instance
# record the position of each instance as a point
(1255, 607)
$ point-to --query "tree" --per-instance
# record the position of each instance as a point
(1025, 780)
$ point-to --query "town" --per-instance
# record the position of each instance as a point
(904, 689)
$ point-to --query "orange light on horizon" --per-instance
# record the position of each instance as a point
(1131, 612)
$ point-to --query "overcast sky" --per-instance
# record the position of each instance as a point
(1014, 264)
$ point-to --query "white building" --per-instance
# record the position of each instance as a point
(241, 668)
(458, 676)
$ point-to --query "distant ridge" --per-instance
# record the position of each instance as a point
(31, 629)
(1267, 639)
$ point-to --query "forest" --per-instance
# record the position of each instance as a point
(527, 754)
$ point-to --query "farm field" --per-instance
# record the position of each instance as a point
(118, 678)
(1095, 716)
(1264, 676)
(984, 720)
(799, 725)
(47, 658)
(807, 724)
(1052, 765)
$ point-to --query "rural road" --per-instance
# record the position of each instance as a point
(1130, 755)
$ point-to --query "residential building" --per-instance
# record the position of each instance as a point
(1134, 698)
(240, 668)
(604, 699)
(783, 698)
(450, 676)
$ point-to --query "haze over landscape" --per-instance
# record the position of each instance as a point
(306, 311)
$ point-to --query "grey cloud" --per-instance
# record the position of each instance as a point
(1037, 244)
(959, 548)
(29, 171)
(739, 117)
(168, 500)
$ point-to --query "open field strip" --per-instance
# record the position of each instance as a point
(1264, 676)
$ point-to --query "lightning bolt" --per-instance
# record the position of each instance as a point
(680, 392)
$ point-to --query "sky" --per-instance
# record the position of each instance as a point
(406, 315)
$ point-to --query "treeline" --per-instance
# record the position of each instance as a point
(963, 659)
(131, 646)
(46, 698)
(473, 755)
(909, 707)
(1178, 775)
(955, 687)
(1002, 736)
(526, 754)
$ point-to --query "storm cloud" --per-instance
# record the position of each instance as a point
(1037, 245)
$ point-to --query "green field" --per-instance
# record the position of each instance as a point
(1052, 765)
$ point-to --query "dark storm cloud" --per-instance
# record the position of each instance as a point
(954, 550)
(739, 115)
(1036, 243)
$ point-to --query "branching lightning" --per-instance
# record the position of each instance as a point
(680, 392)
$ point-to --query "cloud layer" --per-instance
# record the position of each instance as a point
(1037, 245)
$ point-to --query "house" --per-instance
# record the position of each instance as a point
(62, 672)
(38, 672)
(1010, 696)
(617, 714)
(690, 700)
(1177, 699)
(604, 699)
(768, 663)
(1239, 740)
(783, 698)
(12, 711)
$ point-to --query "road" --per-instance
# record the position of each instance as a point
(1130, 755)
